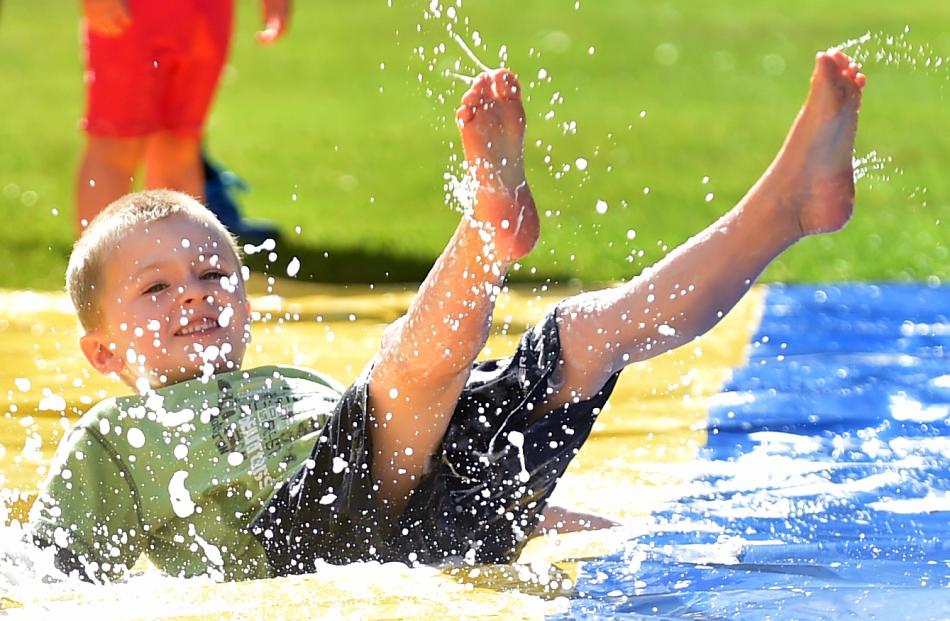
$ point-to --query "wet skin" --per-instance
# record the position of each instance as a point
(172, 297)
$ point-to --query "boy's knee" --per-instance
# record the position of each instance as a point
(588, 356)
(392, 329)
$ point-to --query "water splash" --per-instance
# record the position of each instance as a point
(895, 50)
(439, 72)
(460, 190)
(28, 575)
(873, 167)
(468, 51)
(890, 50)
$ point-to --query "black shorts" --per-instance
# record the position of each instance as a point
(480, 498)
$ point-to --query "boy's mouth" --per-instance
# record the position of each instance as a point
(198, 326)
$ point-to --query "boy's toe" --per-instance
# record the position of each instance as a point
(479, 92)
(472, 99)
(841, 59)
(826, 66)
(483, 83)
(852, 70)
(464, 115)
(506, 85)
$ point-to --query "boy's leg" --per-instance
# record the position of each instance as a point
(174, 161)
(105, 174)
(426, 357)
(808, 189)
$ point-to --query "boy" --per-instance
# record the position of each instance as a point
(152, 68)
(239, 474)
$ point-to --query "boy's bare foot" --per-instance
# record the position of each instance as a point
(562, 520)
(491, 120)
(813, 172)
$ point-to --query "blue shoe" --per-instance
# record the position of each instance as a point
(219, 187)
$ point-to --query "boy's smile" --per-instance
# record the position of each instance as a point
(172, 306)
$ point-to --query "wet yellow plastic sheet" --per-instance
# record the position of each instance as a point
(653, 425)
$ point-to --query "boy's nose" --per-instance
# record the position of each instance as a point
(193, 293)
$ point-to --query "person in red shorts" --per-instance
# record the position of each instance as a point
(152, 68)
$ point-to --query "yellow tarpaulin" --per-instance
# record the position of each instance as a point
(656, 415)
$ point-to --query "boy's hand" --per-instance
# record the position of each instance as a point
(276, 20)
(107, 17)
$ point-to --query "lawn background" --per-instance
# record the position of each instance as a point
(344, 131)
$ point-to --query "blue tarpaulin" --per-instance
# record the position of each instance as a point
(823, 491)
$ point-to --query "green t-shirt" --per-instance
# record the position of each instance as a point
(181, 473)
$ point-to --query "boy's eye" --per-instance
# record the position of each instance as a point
(214, 275)
(157, 287)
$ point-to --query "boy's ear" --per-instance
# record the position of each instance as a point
(96, 350)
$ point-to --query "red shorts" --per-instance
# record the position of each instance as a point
(161, 73)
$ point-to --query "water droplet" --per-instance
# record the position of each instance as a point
(179, 495)
(135, 437)
(52, 403)
(293, 267)
(339, 465)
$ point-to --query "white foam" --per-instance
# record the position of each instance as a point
(941, 382)
(906, 409)
(931, 503)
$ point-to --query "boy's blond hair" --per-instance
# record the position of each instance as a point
(92, 249)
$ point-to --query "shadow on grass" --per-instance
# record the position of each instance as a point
(337, 265)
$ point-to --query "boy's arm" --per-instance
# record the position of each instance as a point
(87, 510)
(426, 357)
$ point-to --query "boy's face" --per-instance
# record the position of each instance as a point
(172, 306)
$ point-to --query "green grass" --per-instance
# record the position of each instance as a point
(336, 116)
